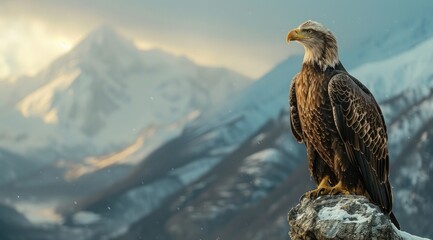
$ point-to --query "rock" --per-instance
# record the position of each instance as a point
(342, 217)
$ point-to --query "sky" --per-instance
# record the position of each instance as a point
(247, 36)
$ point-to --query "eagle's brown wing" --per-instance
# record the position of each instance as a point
(295, 122)
(361, 126)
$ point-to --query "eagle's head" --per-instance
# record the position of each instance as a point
(319, 43)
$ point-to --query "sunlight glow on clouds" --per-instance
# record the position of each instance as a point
(246, 36)
(27, 45)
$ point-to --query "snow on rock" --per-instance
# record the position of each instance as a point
(341, 217)
(408, 236)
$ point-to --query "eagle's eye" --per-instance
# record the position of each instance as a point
(309, 31)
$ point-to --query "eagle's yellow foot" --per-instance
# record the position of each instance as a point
(319, 191)
(325, 189)
(322, 189)
(339, 189)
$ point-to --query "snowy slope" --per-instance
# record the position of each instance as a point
(407, 70)
(397, 38)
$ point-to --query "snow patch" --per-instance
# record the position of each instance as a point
(337, 213)
(265, 156)
(84, 217)
(39, 213)
(192, 171)
(407, 236)
(39, 103)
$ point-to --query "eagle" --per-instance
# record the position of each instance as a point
(340, 123)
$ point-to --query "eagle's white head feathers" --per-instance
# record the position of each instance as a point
(319, 43)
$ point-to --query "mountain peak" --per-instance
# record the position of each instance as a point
(102, 32)
(104, 37)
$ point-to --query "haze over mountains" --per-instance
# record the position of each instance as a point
(230, 171)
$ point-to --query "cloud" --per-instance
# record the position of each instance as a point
(27, 45)
(4, 67)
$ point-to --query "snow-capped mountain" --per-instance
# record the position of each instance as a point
(389, 42)
(104, 92)
(406, 70)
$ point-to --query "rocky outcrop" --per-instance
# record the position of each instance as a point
(342, 217)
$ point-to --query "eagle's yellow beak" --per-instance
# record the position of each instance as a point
(294, 35)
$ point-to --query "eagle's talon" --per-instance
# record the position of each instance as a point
(309, 195)
(319, 191)
(339, 190)
(324, 189)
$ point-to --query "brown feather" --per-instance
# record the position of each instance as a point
(364, 114)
